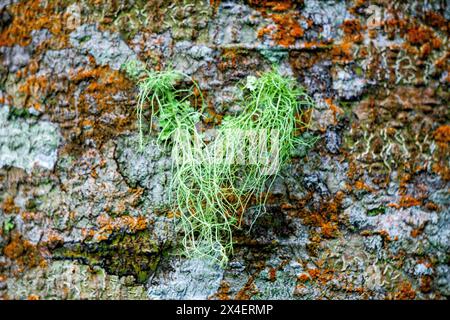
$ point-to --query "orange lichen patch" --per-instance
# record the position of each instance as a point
(106, 82)
(352, 30)
(24, 253)
(32, 15)
(33, 297)
(286, 31)
(229, 59)
(430, 205)
(303, 278)
(442, 135)
(214, 3)
(110, 117)
(35, 86)
(436, 20)
(342, 52)
(436, 43)
(272, 274)
(87, 233)
(172, 214)
(247, 291)
(423, 37)
(321, 275)
(406, 201)
(360, 185)
(425, 50)
(417, 231)
(109, 82)
(352, 170)
(419, 35)
(425, 284)
(405, 179)
(405, 292)
(88, 74)
(266, 30)
(328, 229)
(443, 170)
(224, 291)
(4, 100)
(108, 225)
(9, 206)
(54, 239)
(420, 39)
(372, 33)
(383, 233)
(314, 273)
(13, 250)
(394, 25)
(336, 110)
(28, 70)
(325, 217)
(282, 6)
(315, 45)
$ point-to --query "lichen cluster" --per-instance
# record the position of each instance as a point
(212, 189)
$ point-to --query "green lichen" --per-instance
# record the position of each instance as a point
(376, 211)
(215, 182)
(8, 225)
(274, 55)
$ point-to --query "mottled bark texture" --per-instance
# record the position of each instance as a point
(363, 214)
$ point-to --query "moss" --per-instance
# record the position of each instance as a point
(122, 254)
(376, 211)
(19, 113)
(8, 226)
(359, 71)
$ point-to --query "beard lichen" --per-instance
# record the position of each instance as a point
(216, 179)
